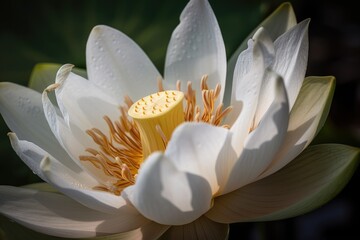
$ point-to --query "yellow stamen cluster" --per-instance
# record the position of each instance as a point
(153, 119)
(120, 153)
(208, 114)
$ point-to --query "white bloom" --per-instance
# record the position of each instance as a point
(206, 175)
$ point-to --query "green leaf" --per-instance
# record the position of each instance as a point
(282, 19)
(44, 74)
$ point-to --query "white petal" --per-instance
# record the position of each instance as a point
(196, 48)
(263, 142)
(76, 184)
(291, 51)
(306, 118)
(249, 73)
(202, 228)
(31, 154)
(308, 182)
(57, 215)
(118, 65)
(70, 140)
(22, 111)
(79, 186)
(167, 195)
(281, 20)
(266, 95)
(81, 102)
(200, 149)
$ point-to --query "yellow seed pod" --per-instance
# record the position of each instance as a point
(157, 115)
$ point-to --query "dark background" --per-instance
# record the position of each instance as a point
(42, 31)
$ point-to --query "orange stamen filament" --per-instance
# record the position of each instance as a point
(120, 152)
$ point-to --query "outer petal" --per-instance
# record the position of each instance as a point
(309, 181)
(168, 195)
(76, 184)
(202, 228)
(196, 48)
(118, 65)
(58, 215)
(291, 56)
(22, 111)
(306, 119)
(200, 149)
(263, 142)
(281, 20)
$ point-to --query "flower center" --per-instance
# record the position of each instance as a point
(156, 117)
(146, 126)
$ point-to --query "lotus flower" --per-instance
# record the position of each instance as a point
(129, 153)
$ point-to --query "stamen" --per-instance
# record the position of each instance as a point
(160, 85)
(121, 147)
(162, 135)
(128, 101)
(193, 112)
(129, 141)
(178, 85)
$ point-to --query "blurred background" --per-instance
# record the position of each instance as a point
(36, 31)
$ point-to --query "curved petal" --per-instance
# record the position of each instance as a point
(196, 48)
(201, 145)
(248, 76)
(118, 65)
(44, 74)
(291, 56)
(57, 215)
(201, 228)
(41, 186)
(81, 102)
(308, 182)
(29, 153)
(22, 111)
(70, 141)
(14, 231)
(80, 189)
(266, 95)
(281, 20)
(75, 184)
(168, 195)
(306, 119)
(263, 142)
